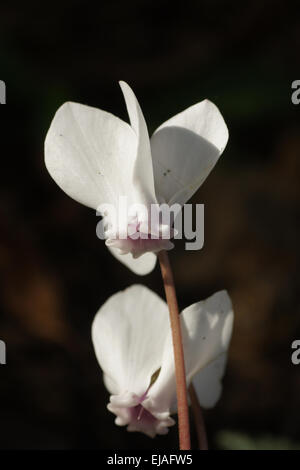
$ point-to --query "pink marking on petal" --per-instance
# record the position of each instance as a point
(130, 412)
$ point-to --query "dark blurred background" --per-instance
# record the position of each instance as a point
(55, 273)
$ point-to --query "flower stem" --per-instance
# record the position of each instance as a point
(181, 387)
(198, 418)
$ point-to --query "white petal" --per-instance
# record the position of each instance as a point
(206, 330)
(90, 154)
(208, 382)
(110, 384)
(143, 172)
(141, 266)
(128, 334)
(185, 149)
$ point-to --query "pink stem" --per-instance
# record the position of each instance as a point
(181, 387)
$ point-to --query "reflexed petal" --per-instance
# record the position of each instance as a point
(110, 384)
(128, 334)
(185, 149)
(141, 266)
(208, 382)
(143, 171)
(206, 329)
(90, 154)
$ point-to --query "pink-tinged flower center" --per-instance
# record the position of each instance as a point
(129, 411)
(139, 239)
(139, 414)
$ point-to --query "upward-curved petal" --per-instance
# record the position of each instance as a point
(206, 330)
(208, 382)
(90, 154)
(185, 149)
(128, 334)
(143, 178)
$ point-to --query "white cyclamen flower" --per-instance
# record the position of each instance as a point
(97, 158)
(133, 344)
